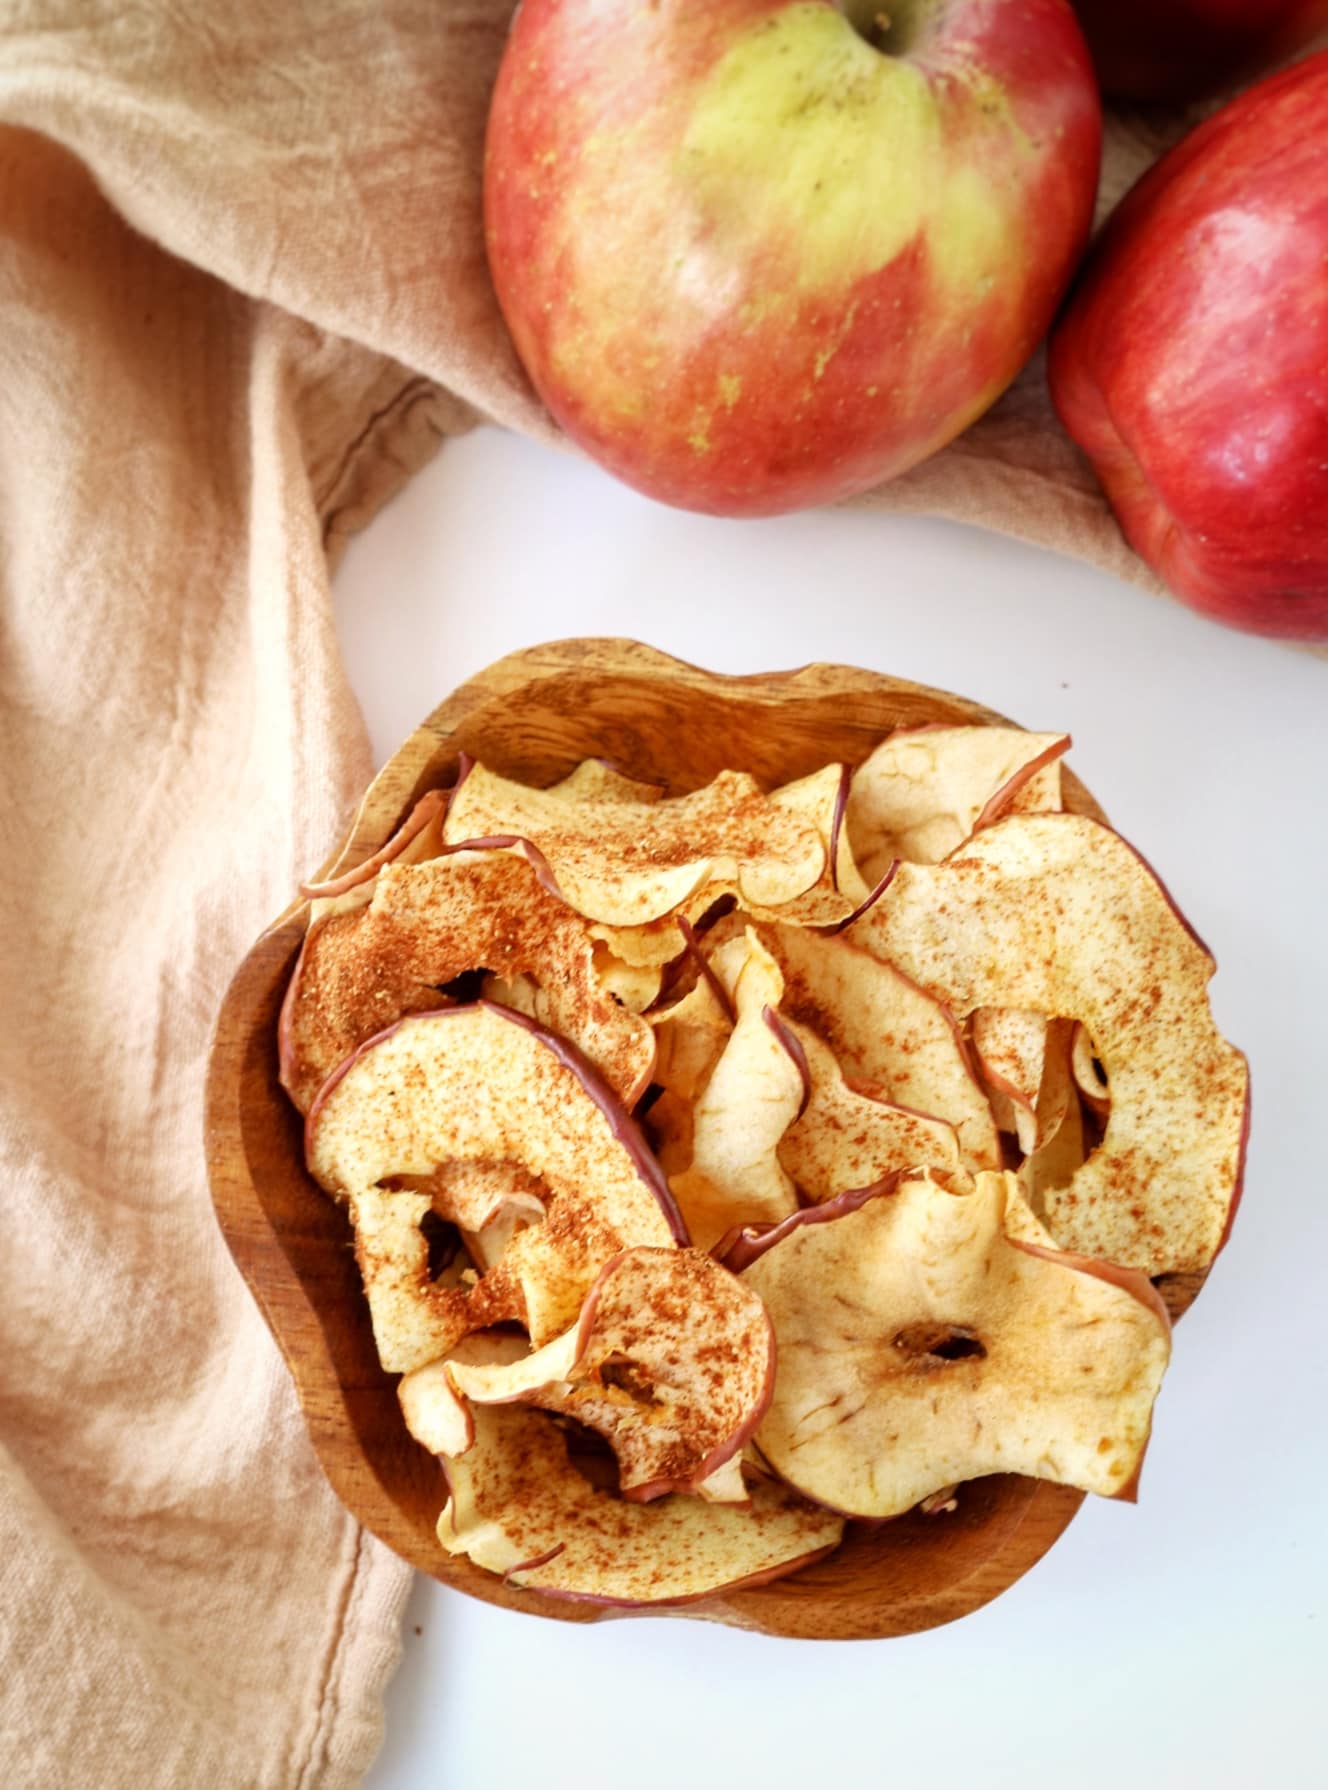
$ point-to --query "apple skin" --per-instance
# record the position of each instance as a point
(1178, 49)
(752, 263)
(1192, 363)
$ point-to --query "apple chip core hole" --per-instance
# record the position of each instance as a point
(626, 1375)
(929, 1341)
(443, 1240)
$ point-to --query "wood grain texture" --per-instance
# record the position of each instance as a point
(534, 715)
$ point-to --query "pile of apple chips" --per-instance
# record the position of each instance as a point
(726, 1165)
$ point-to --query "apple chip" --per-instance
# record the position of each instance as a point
(926, 1338)
(1088, 1075)
(888, 1034)
(626, 863)
(429, 923)
(435, 1413)
(599, 780)
(672, 1361)
(847, 1138)
(416, 1315)
(421, 832)
(690, 1036)
(1010, 1045)
(484, 1083)
(1057, 913)
(922, 792)
(754, 1094)
(519, 1507)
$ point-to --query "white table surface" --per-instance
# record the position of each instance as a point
(1180, 1642)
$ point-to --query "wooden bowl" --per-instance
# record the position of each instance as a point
(534, 715)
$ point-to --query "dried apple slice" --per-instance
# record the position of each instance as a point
(1087, 1068)
(927, 1338)
(435, 1413)
(626, 863)
(847, 1138)
(427, 924)
(690, 1038)
(1010, 1044)
(755, 1092)
(484, 1083)
(519, 1507)
(672, 1361)
(416, 1316)
(888, 1034)
(923, 792)
(600, 780)
(427, 812)
(1056, 912)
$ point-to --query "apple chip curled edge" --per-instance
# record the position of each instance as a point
(1057, 914)
(627, 863)
(887, 1033)
(428, 923)
(483, 1082)
(519, 1507)
(672, 1361)
(927, 1337)
(755, 1091)
(924, 790)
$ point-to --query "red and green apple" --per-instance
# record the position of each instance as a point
(763, 254)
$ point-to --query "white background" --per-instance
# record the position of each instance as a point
(1180, 1642)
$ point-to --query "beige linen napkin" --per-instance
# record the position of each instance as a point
(242, 297)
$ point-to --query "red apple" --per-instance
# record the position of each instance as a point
(1192, 365)
(761, 254)
(1175, 49)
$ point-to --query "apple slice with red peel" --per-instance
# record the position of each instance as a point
(922, 793)
(428, 923)
(926, 1338)
(626, 863)
(435, 1413)
(417, 1317)
(428, 810)
(1039, 794)
(484, 1083)
(823, 798)
(671, 1361)
(519, 1507)
(1056, 912)
(888, 1034)
(755, 1092)
(847, 1138)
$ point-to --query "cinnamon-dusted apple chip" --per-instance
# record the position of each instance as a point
(847, 1138)
(1010, 1044)
(1057, 913)
(923, 792)
(755, 1092)
(887, 1033)
(927, 1337)
(626, 863)
(428, 923)
(519, 1507)
(672, 1361)
(484, 1083)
